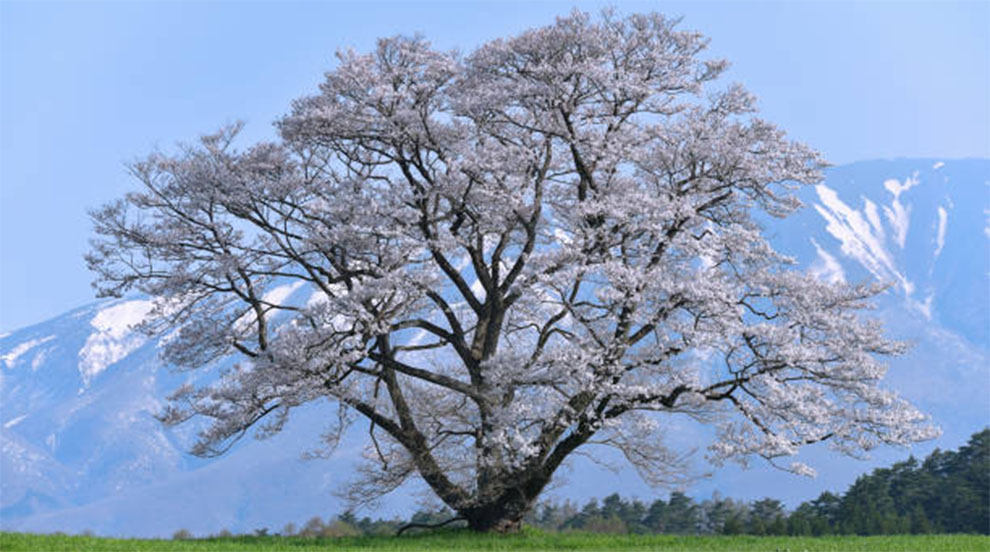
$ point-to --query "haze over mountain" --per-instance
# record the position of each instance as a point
(80, 448)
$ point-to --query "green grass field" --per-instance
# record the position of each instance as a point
(530, 540)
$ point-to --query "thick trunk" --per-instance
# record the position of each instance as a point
(501, 516)
(516, 494)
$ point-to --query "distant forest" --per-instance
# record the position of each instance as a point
(948, 492)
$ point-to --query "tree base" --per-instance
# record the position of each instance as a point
(501, 517)
(501, 526)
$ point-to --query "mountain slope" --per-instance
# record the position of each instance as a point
(922, 225)
(80, 447)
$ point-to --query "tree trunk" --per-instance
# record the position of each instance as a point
(501, 516)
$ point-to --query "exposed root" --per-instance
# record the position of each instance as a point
(408, 526)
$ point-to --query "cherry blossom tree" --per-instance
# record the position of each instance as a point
(548, 244)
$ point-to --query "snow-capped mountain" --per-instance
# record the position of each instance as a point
(80, 447)
(922, 226)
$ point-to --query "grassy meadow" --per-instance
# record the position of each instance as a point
(529, 540)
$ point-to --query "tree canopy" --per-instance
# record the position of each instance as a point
(546, 244)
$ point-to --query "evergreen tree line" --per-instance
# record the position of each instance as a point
(948, 492)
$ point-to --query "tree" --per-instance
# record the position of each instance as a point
(919, 520)
(717, 511)
(656, 516)
(799, 523)
(967, 482)
(766, 517)
(681, 515)
(826, 511)
(548, 244)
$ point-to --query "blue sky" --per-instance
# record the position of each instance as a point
(88, 86)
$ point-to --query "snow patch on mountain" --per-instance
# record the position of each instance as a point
(827, 268)
(900, 218)
(860, 234)
(873, 215)
(924, 307)
(39, 359)
(943, 219)
(11, 423)
(10, 358)
(895, 187)
(114, 338)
